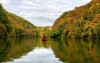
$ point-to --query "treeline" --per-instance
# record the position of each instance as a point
(44, 30)
(84, 21)
(13, 25)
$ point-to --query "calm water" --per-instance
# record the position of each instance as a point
(31, 50)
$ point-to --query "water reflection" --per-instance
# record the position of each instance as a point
(26, 50)
(14, 48)
(34, 50)
(77, 50)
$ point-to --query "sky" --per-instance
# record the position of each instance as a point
(41, 12)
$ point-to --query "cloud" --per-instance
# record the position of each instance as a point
(2, 1)
(41, 12)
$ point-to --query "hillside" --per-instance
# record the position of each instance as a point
(13, 25)
(44, 31)
(83, 21)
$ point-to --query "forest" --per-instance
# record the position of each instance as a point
(82, 22)
(13, 25)
(74, 36)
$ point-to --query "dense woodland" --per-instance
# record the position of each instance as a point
(44, 31)
(83, 21)
(13, 25)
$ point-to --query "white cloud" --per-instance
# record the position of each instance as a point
(2, 1)
(41, 12)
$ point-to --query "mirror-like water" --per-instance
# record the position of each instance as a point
(32, 50)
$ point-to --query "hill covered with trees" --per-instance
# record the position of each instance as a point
(83, 21)
(13, 25)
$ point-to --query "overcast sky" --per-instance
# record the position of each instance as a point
(41, 12)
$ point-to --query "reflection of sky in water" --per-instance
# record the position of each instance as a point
(38, 55)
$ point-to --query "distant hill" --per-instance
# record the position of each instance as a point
(83, 21)
(13, 25)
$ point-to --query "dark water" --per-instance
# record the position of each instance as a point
(32, 50)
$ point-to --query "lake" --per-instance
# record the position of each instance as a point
(33, 50)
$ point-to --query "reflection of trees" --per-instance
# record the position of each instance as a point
(94, 49)
(3, 50)
(17, 47)
(58, 49)
(76, 50)
(40, 43)
(70, 50)
(14, 48)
